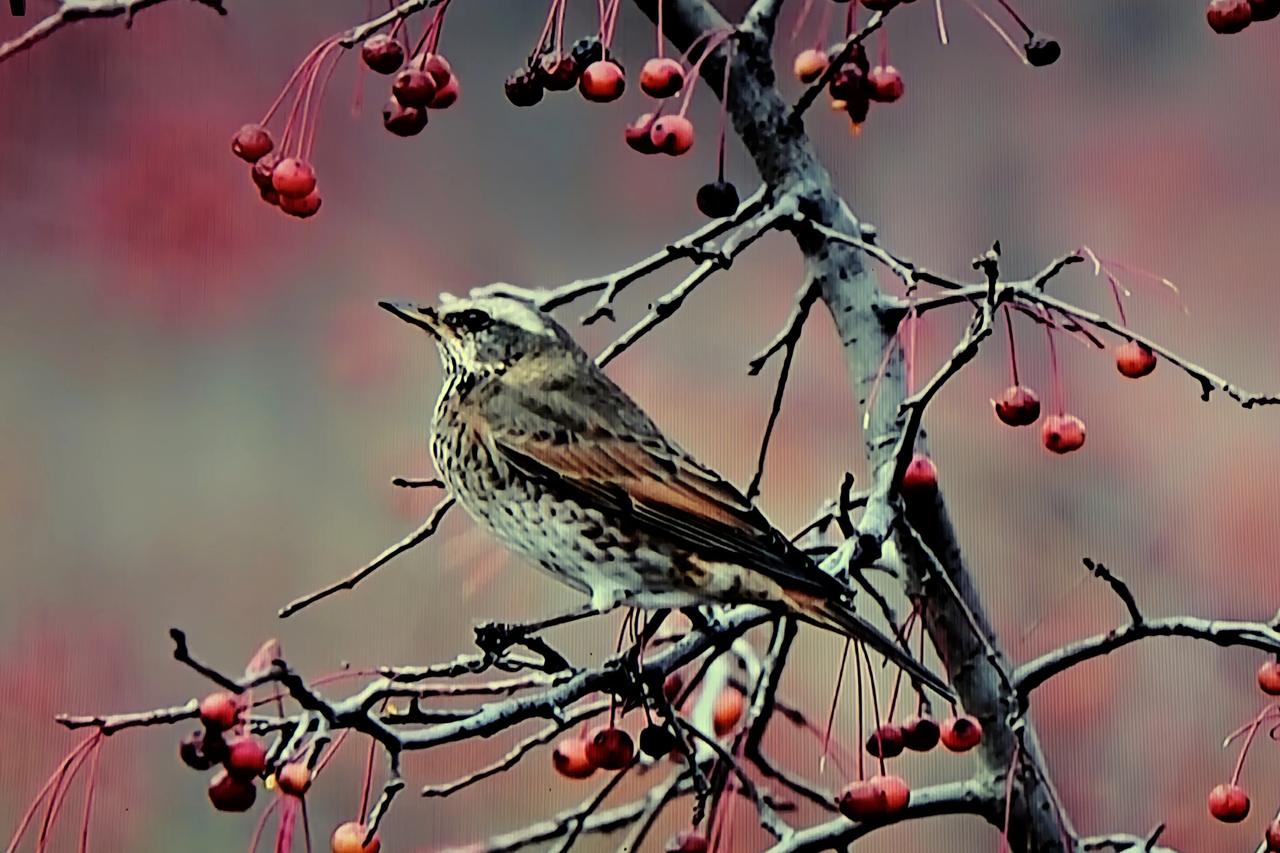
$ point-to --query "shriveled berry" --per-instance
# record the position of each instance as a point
(1062, 433)
(191, 751)
(858, 106)
(879, 5)
(884, 83)
(656, 741)
(960, 733)
(349, 838)
(921, 476)
(570, 758)
(688, 841)
(885, 741)
(727, 711)
(1135, 360)
(1269, 678)
(639, 135)
(587, 50)
(809, 65)
(219, 711)
(717, 199)
(402, 120)
(1229, 803)
(262, 171)
(559, 72)
(848, 84)
(382, 53)
(414, 87)
(661, 77)
(523, 88)
(251, 143)
(672, 135)
(1017, 406)
(1041, 51)
(246, 757)
(293, 779)
(610, 748)
(446, 96)
(1264, 10)
(894, 793)
(920, 734)
(602, 82)
(1273, 835)
(293, 177)
(229, 794)
(1229, 16)
(271, 197)
(303, 207)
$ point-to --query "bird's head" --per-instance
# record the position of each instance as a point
(488, 334)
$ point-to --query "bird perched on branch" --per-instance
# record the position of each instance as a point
(548, 454)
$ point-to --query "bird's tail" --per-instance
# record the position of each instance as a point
(838, 615)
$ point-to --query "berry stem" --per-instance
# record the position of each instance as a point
(857, 668)
(437, 25)
(1244, 748)
(717, 38)
(724, 114)
(66, 775)
(1115, 291)
(30, 813)
(1013, 349)
(875, 705)
(661, 40)
(309, 139)
(90, 788)
(293, 78)
(831, 715)
(912, 320)
(942, 24)
(907, 628)
(1005, 3)
(546, 31)
(1008, 795)
(367, 786)
(802, 19)
(1053, 363)
(850, 19)
(884, 46)
(1000, 31)
(262, 825)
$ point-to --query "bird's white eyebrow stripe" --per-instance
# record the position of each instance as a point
(516, 313)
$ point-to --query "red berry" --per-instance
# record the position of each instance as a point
(293, 177)
(1135, 360)
(602, 81)
(293, 779)
(672, 686)
(570, 758)
(229, 794)
(672, 135)
(191, 751)
(960, 734)
(1264, 10)
(610, 748)
(262, 171)
(861, 801)
(921, 476)
(446, 96)
(727, 711)
(402, 120)
(809, 65)
(1017, 406)
(439, 69)
(1229, 16)
(382, 53)
(688, 841)
(1269, 678)
(1229, 803)
(414, 87)
(639, 137)
(246, 757)
(894, 793)
(303, 207)
(885, 742)
(271, 197)
(219, 711)
(885, 83)
(920, 734)
(1062, 433)
(251, 143)
(1273, 835)
(349, 838)
(661, 77)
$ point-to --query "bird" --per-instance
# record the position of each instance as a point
(560, 464)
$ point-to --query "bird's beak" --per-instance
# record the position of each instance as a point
(422, 317)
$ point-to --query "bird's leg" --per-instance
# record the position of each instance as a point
(494, 638)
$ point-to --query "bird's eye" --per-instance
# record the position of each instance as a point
(470, 320)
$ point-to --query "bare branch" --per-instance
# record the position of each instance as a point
(70, 11)
(1118, 586)
(113, 723)
(415, 538)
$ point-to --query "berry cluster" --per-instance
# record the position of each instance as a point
(1232, 16)
(1229, 802)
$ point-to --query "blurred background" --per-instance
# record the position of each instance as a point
(201, 408)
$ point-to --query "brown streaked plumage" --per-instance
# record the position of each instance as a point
(552, 457)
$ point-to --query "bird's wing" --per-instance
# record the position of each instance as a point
(619, 463)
